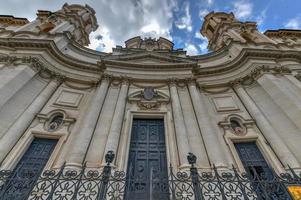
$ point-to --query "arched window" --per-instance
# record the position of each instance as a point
(55, 122)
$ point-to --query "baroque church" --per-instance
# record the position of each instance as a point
(148, 121)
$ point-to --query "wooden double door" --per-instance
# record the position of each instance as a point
(147, 166)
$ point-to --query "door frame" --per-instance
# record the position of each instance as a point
(17, 152)
(125, 140)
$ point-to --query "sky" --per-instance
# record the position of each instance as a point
(176, 20)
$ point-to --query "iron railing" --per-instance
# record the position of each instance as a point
(108, 184)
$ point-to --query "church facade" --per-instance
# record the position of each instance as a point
(64, 105)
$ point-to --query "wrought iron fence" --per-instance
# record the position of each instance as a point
(87, 184)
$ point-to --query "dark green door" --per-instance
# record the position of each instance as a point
(27, 171)
(147, 165)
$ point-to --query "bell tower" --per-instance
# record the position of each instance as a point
(221, 28)
(75, 19)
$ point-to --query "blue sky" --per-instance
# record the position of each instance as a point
(177, 20)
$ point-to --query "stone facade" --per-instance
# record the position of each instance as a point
(250, 77)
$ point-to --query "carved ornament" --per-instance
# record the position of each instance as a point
(151, 101)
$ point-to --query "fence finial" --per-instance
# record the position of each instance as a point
(109, 157)
(191, 158)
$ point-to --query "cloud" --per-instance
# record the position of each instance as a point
(204, 42)
(118, 20)
(199, 36)
(242, 9)
(191, 49)
(129, 18)
(185, 21)
(294, 23)
(203, 46)
(203, 13)
(101, 40)
(210, 2)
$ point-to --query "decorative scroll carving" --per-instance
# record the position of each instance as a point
(256, 73)
(242, 124)
(35, 63)
(46, 118)
(153, 103)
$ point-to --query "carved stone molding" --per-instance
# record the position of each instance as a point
(244, 55)
(35, 63)
(256, 73)
(44, 119)
(117, 81)
(244, 124)
(181, 83)
(153, 103)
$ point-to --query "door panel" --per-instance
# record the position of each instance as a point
(147, 161)
(263, 177)
(27, 171)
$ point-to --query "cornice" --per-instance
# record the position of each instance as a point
(151, 66)
(50, 46)
(44, 70)
(34, 63)
(246, 80)
(246, 54)
(189, 65)
(163, 57)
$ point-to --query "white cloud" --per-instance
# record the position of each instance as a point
(242, 9)
(203, 13)
(185, 21)
(129, 18)
(199, 36)
(210, 2)
(294, 23)
(101, 40)
(191, 49)
(118, 20)
(203, 46)
(261, 17)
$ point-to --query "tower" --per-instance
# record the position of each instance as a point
(221, 28)
(77, 20)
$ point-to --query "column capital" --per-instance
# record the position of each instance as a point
(236, 83)
(172, 82)
(125, 80)
(106, 77)
(191, 81)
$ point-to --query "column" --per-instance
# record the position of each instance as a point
(97, 148)
(181, 132)
(12, 80)
(117, 121)
(194, 136)
(280, 148)
(81, 145)
(215, 152)
(283, 95)
(294, 84)
(19, 127)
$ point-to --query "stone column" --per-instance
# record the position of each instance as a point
(194, 136)
(99, 140)
(117, 121)
(283, 95)
(12, 80)
(80, 147)
(212, 143)
(280, 148)
(295, 83)
(19, 127)
(181, 132)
